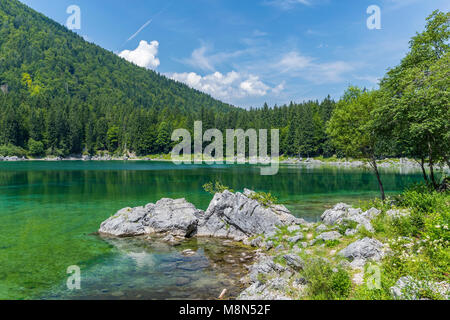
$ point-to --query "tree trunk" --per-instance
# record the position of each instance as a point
(422, 166)
(377, 173)
(433, 179)
(431, 164)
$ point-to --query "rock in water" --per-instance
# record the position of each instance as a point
(236, 216)
(175, 217)
(230, 215)
(126, 222)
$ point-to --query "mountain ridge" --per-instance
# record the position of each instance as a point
(60, 61)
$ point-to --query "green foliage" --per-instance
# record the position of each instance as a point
(416, 96)
(77, 97)
(10, 150)
(332, 243)
(420, 240)
(352, 131)
(345, 225)
(36, 148)
(266, 199)
(326, 282)
(216, 188)
(68, 93)
(112, 137)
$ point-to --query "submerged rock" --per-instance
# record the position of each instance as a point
(174, 217)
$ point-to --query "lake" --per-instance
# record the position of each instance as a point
(50, 211)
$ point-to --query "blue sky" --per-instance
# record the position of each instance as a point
(247, 52)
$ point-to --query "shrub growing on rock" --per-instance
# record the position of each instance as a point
(216, 187)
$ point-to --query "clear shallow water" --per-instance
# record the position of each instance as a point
(50, 210)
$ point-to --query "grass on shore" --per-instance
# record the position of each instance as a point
(417, 246)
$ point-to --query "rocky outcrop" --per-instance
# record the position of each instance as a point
(294, 261)
(237, 216)
(266, 280)
(362, 250)
(343, 212)
(13, 158)
(263, 267)
(408, 288)
(174, 217)
(233, 216)
(273, 289)
(329, 236)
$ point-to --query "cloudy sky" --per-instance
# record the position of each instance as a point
(247, 52)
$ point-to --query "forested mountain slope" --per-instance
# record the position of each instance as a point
(61, 64)
(58, 82)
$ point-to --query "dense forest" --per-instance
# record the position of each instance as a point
(71, 96)
(61, 95)
(64, 96)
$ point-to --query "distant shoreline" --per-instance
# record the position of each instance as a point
(386, 163)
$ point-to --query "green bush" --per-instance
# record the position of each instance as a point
(424, 200)
(266, 199)
(36, 148)
(325, 281)
(216, 188)
(10, 150)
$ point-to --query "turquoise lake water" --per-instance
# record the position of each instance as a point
(50, 211)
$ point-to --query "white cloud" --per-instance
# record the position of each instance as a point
(297, 65)
(329, 72)
(254, 87)
(199, 58)
(144, 55)
(279, 88)
(287, 4)
(292, 61)
(227, 87)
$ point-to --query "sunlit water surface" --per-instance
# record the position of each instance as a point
(50, 211)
